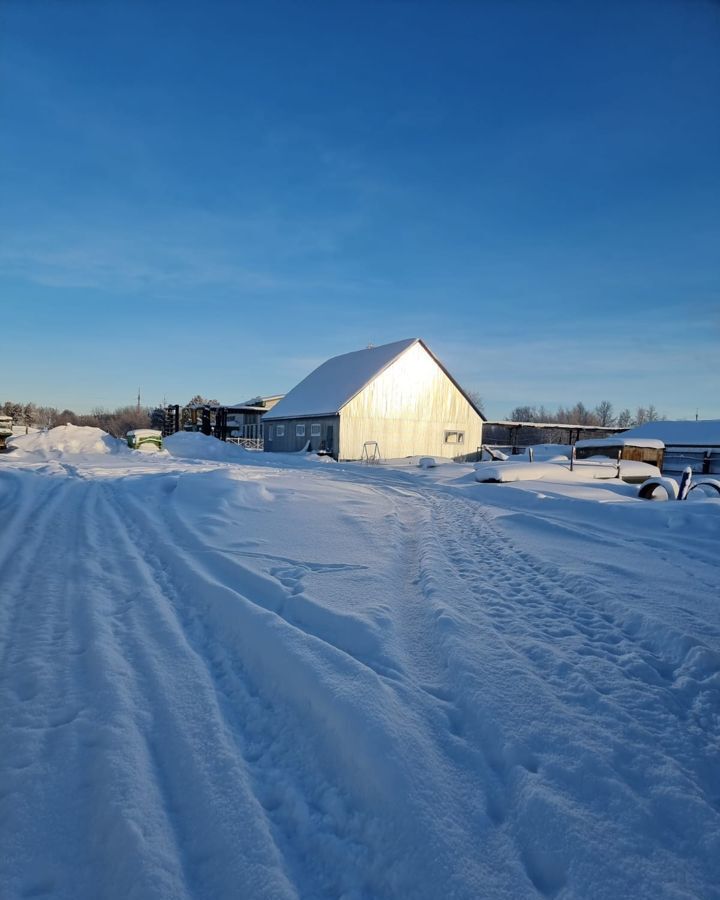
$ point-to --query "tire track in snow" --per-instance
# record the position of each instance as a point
(43, 708)
(26, 523)
(373, 853)
(516, 588)
(536, 624)
(27, 531)
(83, 801)
(576, 615)
(158, 689)
(624, 673)
(87, 755)
(192, 753)
(322, 839)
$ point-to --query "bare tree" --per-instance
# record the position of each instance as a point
(604, 413)
(477, 400)
(524, 414)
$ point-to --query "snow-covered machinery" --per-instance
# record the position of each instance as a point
(145, 439)
(5, 431)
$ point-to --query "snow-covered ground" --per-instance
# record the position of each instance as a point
(237, 675)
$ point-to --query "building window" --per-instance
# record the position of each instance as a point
(315, 430)
(299, 431)
(269, 432)
(454, 437)
(281, 431)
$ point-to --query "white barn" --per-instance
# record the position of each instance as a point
(399, 396)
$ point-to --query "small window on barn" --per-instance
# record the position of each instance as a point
(281, 431)
(299, 431)
(454, 437)
(315, 430)
(269, 432)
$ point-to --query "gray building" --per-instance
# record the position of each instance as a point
(395, 400)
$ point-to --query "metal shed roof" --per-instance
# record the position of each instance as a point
(678, 433)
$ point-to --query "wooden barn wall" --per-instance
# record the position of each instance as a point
(407, 409)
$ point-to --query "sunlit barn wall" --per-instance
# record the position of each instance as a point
(407, 409)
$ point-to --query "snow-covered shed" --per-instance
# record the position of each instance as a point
(638, 449)
(398, 396)
(687, 443)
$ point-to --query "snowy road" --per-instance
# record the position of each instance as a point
(240, 681)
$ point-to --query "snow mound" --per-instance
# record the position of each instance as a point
(66, 440)
(522, 471)
(195, 445)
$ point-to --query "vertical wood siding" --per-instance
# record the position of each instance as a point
(407, 409)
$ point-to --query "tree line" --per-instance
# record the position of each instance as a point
(116, 422)
(603, 415)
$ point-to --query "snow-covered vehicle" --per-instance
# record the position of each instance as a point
(146, 439)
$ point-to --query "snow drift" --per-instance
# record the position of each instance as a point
(66, 440)
(195, 445)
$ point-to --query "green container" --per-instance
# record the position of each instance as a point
(144, 439)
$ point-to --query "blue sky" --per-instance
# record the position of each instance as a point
(215, 197)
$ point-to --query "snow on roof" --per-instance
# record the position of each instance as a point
(680, 433)
(326, 390)
(248, 407)
(552, 426)
(621, 441)
(256, 402)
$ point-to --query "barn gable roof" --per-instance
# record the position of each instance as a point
(329, 387)
(332, 385)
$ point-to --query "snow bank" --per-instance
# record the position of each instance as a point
(66, 440)
(195, 445)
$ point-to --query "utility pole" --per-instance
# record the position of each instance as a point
(138, 406)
